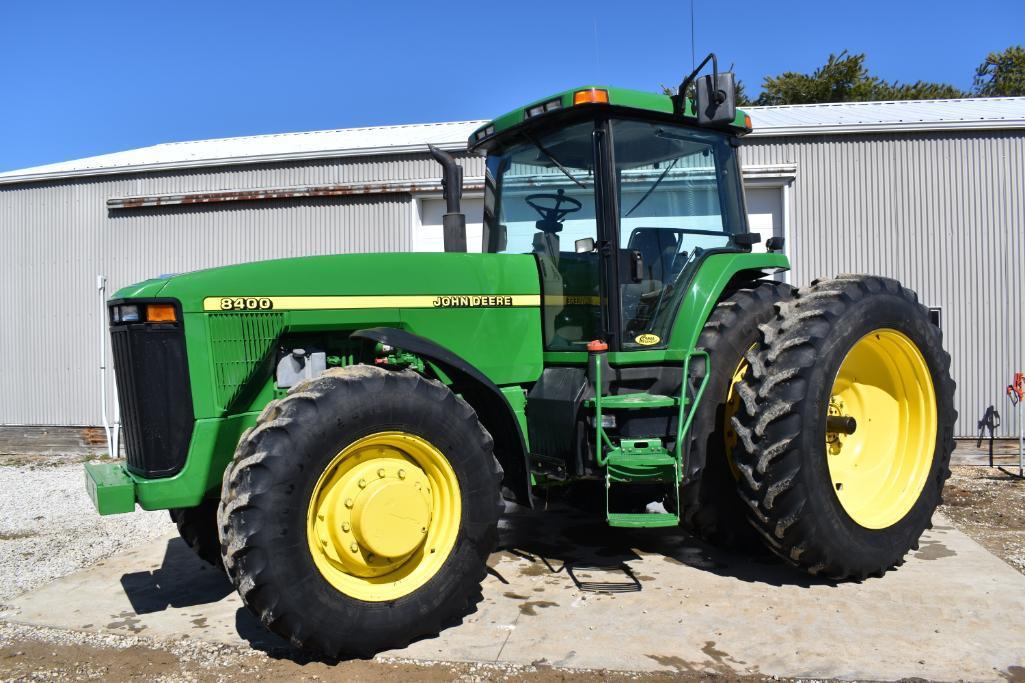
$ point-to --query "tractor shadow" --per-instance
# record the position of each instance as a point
(182, 580)
(567, 538)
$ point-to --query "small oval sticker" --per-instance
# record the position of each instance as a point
(647, 339)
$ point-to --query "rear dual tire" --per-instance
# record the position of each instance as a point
(846, 506)
(712, 508)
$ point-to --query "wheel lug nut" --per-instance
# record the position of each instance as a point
(354, 548)
(380, 473)
(348, 502)
(362, 483)
(402, 474)
(346, 527)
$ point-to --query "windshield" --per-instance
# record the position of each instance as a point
(539, 199)
(679, 196)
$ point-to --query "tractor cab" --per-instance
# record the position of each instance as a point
(620, 195)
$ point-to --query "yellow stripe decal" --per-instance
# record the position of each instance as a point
(319, 303)
(571, 300)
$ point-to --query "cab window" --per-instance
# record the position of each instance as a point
(540, 199)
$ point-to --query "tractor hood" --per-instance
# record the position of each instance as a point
(345, 281)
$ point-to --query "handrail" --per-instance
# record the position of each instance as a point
(601, 439)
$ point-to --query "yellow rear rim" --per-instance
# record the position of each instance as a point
(384, 516)
(879, 470)
(730, 409)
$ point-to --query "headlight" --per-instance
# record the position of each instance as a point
(129, 313)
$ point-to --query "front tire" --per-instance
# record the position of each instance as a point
(846, 426)
(359, 512)
(197, 526)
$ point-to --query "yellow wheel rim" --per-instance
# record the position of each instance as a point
(730, 409)
(879, 470)
(384, 516)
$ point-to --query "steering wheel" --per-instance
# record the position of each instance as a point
(559, 206)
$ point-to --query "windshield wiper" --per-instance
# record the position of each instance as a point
(653, 186)
(552, 159)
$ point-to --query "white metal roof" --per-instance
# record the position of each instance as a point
(907, 115)
(260, 148)
(804, 119)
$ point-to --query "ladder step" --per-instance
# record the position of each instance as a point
(640, 461)
(634, 401)
(642, 520)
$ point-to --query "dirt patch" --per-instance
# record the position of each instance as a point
(988, 504)
(28, 653)
(528, 608)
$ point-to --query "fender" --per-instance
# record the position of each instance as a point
(481, 393)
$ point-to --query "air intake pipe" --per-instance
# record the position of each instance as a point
(454, 221)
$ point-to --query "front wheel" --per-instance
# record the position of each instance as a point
(846, 427)
(358, 514)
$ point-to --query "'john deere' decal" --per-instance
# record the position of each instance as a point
(647, 339)
(472, 301)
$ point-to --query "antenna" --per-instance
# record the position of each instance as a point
(692, 58)
(597, 62)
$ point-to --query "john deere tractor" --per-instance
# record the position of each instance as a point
(338, 432)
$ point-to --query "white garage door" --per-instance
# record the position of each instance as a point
(427, 234)
(765, 212)
(764, 207)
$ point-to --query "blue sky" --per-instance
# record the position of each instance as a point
(90, 77)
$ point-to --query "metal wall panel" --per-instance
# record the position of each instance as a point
(944, 214)
(57, 237)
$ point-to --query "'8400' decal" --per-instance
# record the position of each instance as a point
(250, 303)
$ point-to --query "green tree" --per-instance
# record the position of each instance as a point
(844, 78)
(1002, 74)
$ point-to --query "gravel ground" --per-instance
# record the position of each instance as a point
(49, 528)
(988, 504)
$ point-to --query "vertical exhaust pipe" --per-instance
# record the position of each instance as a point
(454, 221)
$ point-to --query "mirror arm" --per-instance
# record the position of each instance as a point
(720, 96)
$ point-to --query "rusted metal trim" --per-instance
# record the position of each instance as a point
(281, 193)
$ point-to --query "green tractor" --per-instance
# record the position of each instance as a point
(339, 432)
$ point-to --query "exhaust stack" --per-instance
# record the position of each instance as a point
(454, 221)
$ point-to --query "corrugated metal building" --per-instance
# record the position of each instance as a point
(932, 193)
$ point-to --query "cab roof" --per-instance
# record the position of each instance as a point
(598, 96)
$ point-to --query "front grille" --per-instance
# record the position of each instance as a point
(240, 345)
(153, 389)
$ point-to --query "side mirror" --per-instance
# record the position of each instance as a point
(584, 245)
(716, 98)
(774, 243)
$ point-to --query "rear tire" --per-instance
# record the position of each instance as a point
(197, 526)
(861, 345)
(712, 508)
(280, 508)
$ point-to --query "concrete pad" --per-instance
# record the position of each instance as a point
(566, 590)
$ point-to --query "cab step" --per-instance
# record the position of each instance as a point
(634, 401)
(641, 461)
(643, 520)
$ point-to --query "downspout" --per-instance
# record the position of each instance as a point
(111, 431)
